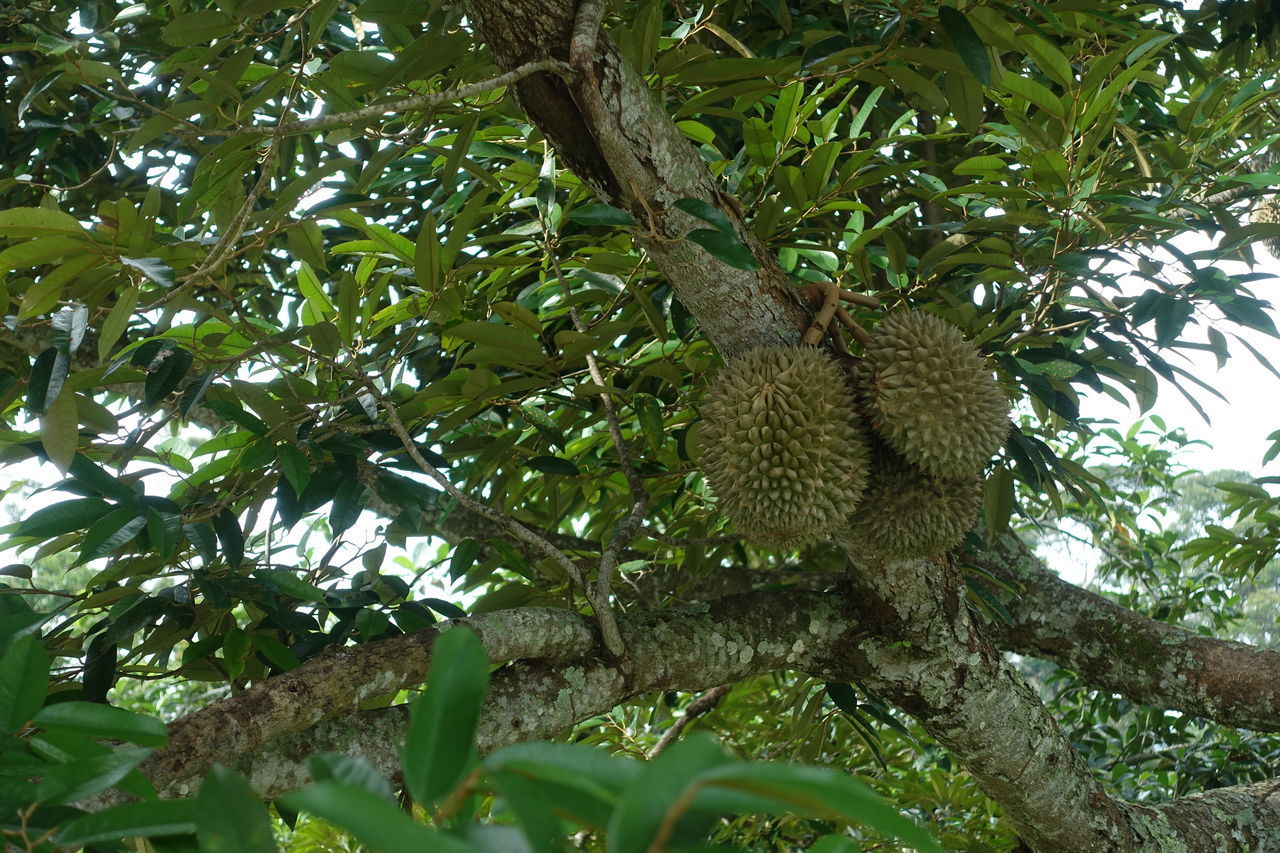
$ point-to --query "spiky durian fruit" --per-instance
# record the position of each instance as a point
(908, 513)
(932, 396)
(1269, 213)
(783, 449)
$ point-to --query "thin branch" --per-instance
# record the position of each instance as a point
(702, 705)
(503, 520)
(622, 536)
(416, 103)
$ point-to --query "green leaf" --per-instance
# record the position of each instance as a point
(294, 466)
(232, 539)
(194, 392)
(998, 502)
(197, 28)
(202, 538)
(37, 222)
(758, 139)
(534, 809)
(167, 375)
(967, 43)
(229, 818)
(44, 82)
(660, 787)
(819, 792)
(348, 503)
(112, 531)
(600, 214)
(463, 558)
(90, 719)
(314, 293)
(65, 517)
(649, 413)
(726, 248)
(375, 822)
(24, 673)
(164, 529)
(60, 429)
(290, 584)
(130, 820)
(42, 250)
(844, 696)
(553, 465)
(117, 321)
(707, 212)
(153, 268)
(48, 375)
(499, 335)
(85, 776)
(439, 747)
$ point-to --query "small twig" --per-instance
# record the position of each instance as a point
(702, 705)
(416, 103)
(687, 541)
(640, 497)
(224, 248)
(604, 616)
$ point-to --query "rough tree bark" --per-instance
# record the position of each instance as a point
(903, 629)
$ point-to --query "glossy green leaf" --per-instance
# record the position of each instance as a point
(724, 247)
(37, 222)
(196, 28)
(65, 517)
(377, 823)
(24, 673)
(60, 429)
(553, 465)
(438, 749)
(600, 214)
(229, 818)
(90, 719)
(227, 526)
(967, 43)
(88, 775)
(130, 820)
(48, 375)
(111, 532)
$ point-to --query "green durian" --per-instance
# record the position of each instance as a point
(908, 513)
(932, 397)
(1268, 213)
(783, 450)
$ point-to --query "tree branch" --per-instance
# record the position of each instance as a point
(415, 103)
(1114, 649)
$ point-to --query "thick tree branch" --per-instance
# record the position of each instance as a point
(633, 156)
(1114, 649)
(979, 709)
(689, 648)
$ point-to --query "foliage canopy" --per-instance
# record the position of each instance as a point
(269, 267)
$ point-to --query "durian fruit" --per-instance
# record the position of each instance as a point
(932, 397)
(1269, 213)
(908, 513)
(782, 447)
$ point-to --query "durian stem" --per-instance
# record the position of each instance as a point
(830, 304)
(859, 298)
(859, 334)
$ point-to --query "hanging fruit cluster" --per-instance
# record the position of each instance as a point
(796, 451)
